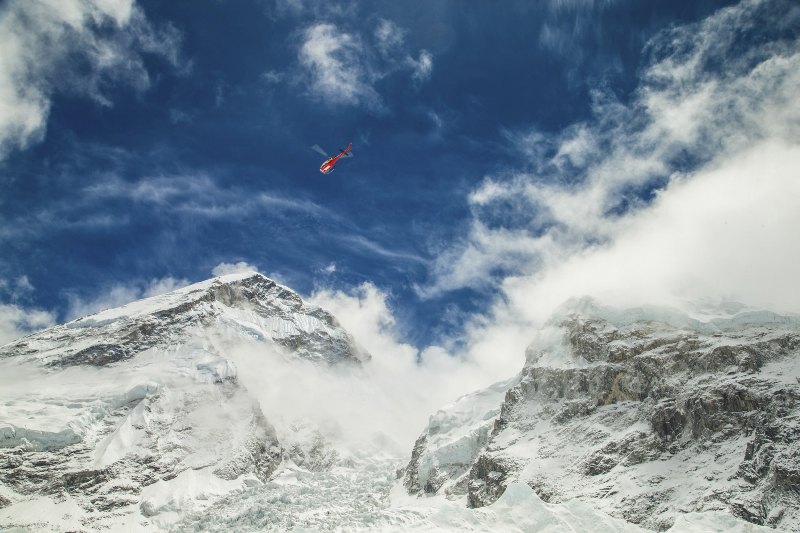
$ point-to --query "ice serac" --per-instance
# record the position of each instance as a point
(126, 417)
(647, 414)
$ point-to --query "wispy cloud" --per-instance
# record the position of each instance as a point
(574, 31)
(363, 244)
(339, 66)
(272, 76)
(17, 321)
(337, 72)
(389, 36)
(200, 195)
(70, 46)
(678, 193)
(422, 67)
(313, 9)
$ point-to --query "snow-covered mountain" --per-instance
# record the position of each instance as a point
(646, 414)
(232, 405)
(132, 414)
(240, 305)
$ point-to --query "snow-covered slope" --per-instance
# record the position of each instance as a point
(646, 414)
(138, 413)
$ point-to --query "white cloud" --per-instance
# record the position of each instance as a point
(571, 30)
(716, 234)
(389, 36)
(179, 116)
(585, 187)
(340, 67)
(223, 269)
(272, 76)
(438, 123)
(200, 195)
(713, 131)
(18, 288)
(421, 68)
(43, 41)
(16, 321)
(401, 386)
(162, 286)
(120, 294)
(334, 61)
(713, 236)
(314, 9)
(362, 243)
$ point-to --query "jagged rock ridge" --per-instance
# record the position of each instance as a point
(646, 414)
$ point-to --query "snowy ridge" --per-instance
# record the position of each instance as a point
(146, 306)
(245, 305)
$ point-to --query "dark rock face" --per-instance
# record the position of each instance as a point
(488, 478)
(411, 480)
(651, 416)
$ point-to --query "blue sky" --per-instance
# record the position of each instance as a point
(149, 144)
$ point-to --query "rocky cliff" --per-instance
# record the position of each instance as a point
(646, 414)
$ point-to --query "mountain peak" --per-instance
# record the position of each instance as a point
(245, 305)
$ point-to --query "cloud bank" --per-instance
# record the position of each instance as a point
(687, 192)
(401, 386)
(704, 111)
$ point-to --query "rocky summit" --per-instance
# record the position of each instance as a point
(647, 414)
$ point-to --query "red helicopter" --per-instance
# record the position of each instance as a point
(327, 166)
